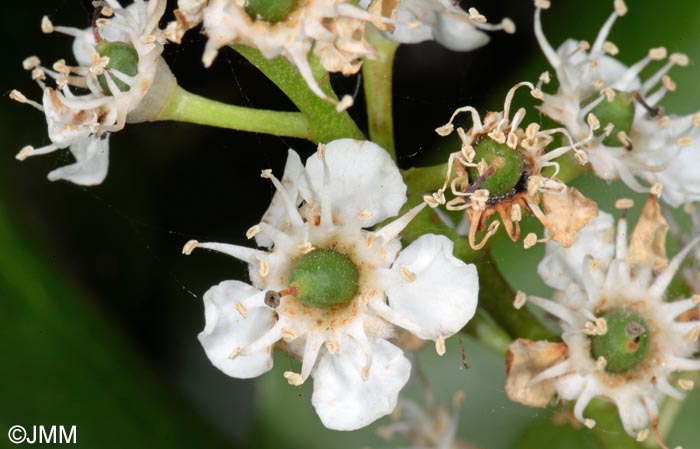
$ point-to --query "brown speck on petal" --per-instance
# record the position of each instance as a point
(526, 359)
(648, 242)
(567, 213)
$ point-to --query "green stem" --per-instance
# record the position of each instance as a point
(187, 107)
(377, 78)
(325, 123)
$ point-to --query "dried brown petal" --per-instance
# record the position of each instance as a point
(648, 242)
(526, 359)
(566, 214)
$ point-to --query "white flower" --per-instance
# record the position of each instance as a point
(325, 206)
(611, 292)
(440, 20)
(433, 427)
(654, 147)
(334, 29)
(82, 121)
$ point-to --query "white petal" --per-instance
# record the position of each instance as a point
(343, 399)
(455, 31)
(442, 297)
(680, 180)
(276, 214)
(364, 181)
(92, 162)
(563, 267)
(226, 330)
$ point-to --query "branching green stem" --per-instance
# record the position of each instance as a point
(377, 77)
(325, 123)
(187, 107)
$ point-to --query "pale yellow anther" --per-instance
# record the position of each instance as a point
(445, 130)
(476, 16)
(696, 299)
(46, 25)
(696, 120)
(288, 334)
(369, 239)
(624, 139)
(581, 157)
(61, 67)
(18, 96)
(593, 65)
(584, 45)
(102, 22)
(598, 84)
(332, 347)
(365, 373)
(267, 173)
(364, 214)
(458, 399)
(148, 38)
(294, 379)
(24, 153)
(516, 213)
(668, 83)
(543, 4)
(189, 247)
(610, 48)
(512, 140)
(693, 334)
(656, 189)
(601, 363)
(532, 130)
(440, 346)
(305, 247)
(686, 384)
(684, 141)
(344, 103)
(593, 121)
(498, 135)
(508, 25)
(620, 7)
(38, 74)
(520, 300)
(30, 63)
(537, 94)
(601, 326)
(252, 232)
(235, 353)
(264, 268)
(680, 59)
(624, 203)
(545, 77)
(530, 240)
(589, 423)
(107, 11)
(664, 121)
(594, 265)
(658, 53)
(406, 274)
(609, 94)
(241, 309)
(642, 435)
(481, 167)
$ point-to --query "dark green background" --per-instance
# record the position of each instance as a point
(99, 311)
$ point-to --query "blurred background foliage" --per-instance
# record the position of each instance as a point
(99, 311)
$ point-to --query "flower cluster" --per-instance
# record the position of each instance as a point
(119, 61)
(637, 139)
(623, 339)
(330, 292)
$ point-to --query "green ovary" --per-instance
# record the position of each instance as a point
(122, 57)
(271, 11)
(626, 342)
(619, 112)
(324, 278)
(507, 164)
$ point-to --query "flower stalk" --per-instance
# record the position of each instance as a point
(325, 122)
(188, 107)
(378, 81)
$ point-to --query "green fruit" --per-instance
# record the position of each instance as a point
(324, 278)
(626, 342)
(507, 164)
